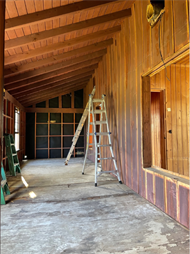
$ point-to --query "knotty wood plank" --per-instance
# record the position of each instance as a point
(64, 56)
(61, 45)
(36, 37)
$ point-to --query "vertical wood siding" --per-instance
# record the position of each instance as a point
(119, 75)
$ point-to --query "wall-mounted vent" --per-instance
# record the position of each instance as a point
(154, 11)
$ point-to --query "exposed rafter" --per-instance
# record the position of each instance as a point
(61, 45)
(25, 40)
(53, 13)
(51, 95)
(39, 85)
(51, 68)
(54, 59)
(49, 91)
(50, 76)
(57, 84)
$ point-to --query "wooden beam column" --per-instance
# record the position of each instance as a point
(2, 34)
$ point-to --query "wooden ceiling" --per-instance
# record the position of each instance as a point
(53, 46)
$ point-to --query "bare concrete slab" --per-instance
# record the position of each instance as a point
(69, 215)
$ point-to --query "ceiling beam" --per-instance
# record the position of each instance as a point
(61, 45)
(50, 68)
(84, 71)
(43, 88)
(48, 76)
(36, 37)
(54, 59)
(83, 74)
(51, 95)
(41, 16)
(50, 91)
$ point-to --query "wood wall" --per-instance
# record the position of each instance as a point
(177, 114)
(119, 75)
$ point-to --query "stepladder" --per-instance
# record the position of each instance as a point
(13, 162)
(101, 139)
(4, 185)
(79, 129)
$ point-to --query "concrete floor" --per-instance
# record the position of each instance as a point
(70, 215)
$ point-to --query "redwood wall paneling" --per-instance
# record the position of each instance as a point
(184, 205)
(150, 187)
(155, 129)
(134, 52)
(159, 193)
(177, 117)
(171, 199)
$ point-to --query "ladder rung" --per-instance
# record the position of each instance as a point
(15, 164)
(100, 122)
(100, 133)
(111, 158)
(12, 144)
(97, 100)
(14, 154)
(98, 111)
(103, 145)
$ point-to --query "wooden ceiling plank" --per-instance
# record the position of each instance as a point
(51, 95)
(56, 79)
(49, 91)
(61, 45)
(56, 83)
(52, 13)
(52, 60)
(35, 37)
(43, 88)
(48, 76)
(50, 68)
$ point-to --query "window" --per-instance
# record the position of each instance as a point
(17, 129)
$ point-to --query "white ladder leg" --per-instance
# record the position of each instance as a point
(110, 143)
(88, 133)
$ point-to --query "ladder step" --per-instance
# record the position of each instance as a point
(17, 163)
(3, 182)
(103, 145)
(111, 158)
(97, 100)
(100, 122)
(98, 111)
(12, 144)
(14, 154)
(100, 133)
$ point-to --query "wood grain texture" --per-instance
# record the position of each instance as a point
(61, 45)
(36, 37)
(52, 13)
